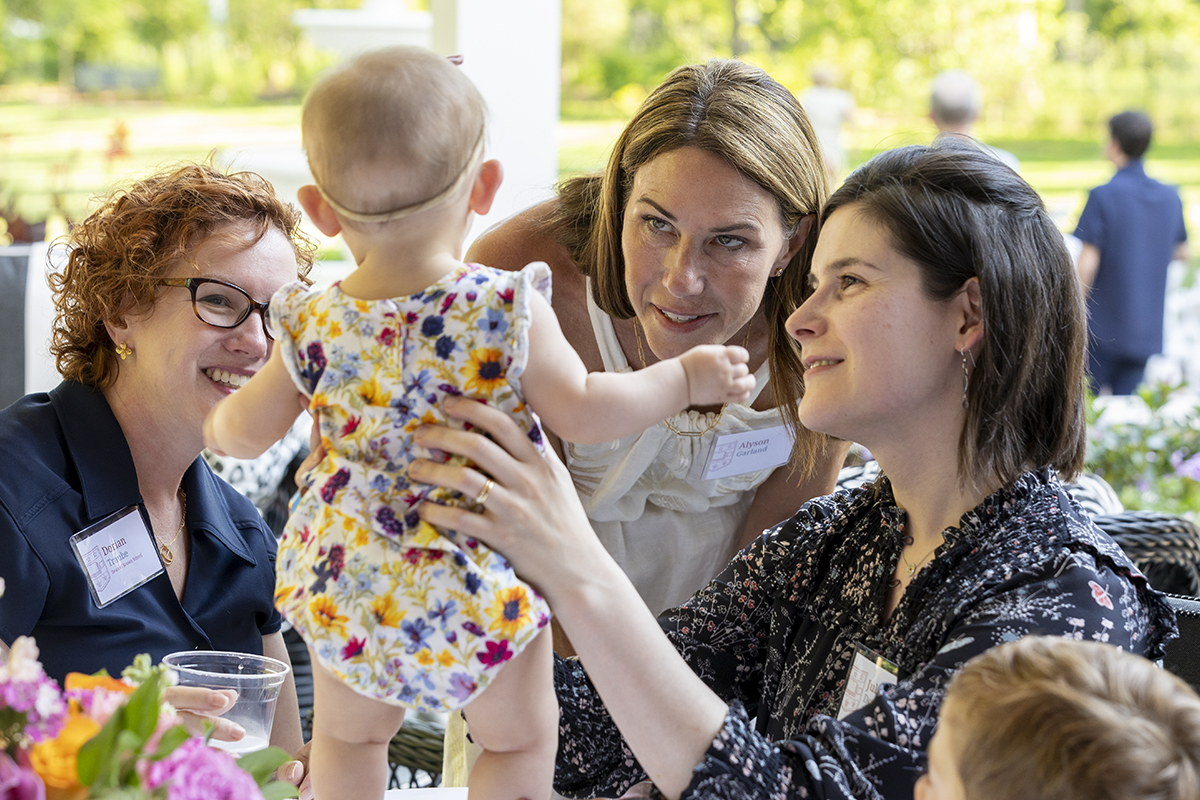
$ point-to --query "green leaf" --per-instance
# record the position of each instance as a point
(278, 790)
(96, 761)
(171, 738)
(141, 710)
(261, 763)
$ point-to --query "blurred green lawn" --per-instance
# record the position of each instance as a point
(57, 149)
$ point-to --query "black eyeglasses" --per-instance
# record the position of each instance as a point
(222, 304)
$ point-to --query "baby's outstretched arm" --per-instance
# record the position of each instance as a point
(588, 407)
(253, 418)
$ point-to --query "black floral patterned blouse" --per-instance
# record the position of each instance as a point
(775, 633)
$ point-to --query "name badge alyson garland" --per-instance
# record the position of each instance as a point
(117, 555)
(749, 451)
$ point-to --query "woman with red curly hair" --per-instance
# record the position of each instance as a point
(117, 537)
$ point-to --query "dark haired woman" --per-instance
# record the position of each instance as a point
(944, 330)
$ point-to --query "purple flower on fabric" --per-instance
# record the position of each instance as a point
(433, 325)
(535, 433)
(195, 771)
(472, 628)
(442, 611)
(315, 368)
(416, 631)
(472, 583)
(336, 482)
(444, 347)
(386, 518)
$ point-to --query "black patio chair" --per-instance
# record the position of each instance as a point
(1183, 655)
(1164, 546)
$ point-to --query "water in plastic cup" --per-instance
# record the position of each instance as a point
(256, 679)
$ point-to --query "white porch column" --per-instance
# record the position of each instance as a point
(512, 50)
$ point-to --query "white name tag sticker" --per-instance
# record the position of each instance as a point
(750, 451)
(117, 555)
(868, 672)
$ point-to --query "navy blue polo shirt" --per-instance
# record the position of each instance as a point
(64, 465)
(1136, 222)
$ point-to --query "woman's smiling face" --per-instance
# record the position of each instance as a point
(182, 366)
(700, 241)
(880, 355)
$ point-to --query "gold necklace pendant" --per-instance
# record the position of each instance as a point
(164, 548)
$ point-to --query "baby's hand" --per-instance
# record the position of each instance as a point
(717, 373)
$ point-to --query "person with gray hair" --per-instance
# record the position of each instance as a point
(955, 103)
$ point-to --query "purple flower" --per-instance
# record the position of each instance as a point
(1189, 468)
(444, 347)
(195, 771)
(28, 696)
(432, 326)
(19, 783)
(388, 522)
(461, 686)
(416, 631)
(331, 487)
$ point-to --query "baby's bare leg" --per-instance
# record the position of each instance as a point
(351, 733)
(515, 721)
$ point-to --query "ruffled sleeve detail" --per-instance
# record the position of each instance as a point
(289, 315)
(534, 277)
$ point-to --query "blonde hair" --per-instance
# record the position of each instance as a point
(398, 111)
(135, 237)
(745, 117)
(1045, 718)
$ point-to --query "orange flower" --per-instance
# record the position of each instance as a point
(77, 680)
(54, 760)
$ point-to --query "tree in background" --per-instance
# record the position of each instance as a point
(1048, 68)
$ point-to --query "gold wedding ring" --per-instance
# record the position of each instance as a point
(482, 497)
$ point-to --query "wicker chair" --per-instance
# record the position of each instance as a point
(1165, 547)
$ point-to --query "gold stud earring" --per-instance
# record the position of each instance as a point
(124, 350)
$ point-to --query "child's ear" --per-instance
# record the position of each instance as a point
(318, 210)
(487, 183)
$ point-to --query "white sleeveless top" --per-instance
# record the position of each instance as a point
(670, 530)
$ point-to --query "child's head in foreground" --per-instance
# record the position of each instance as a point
(391, 129)
(1045, 717)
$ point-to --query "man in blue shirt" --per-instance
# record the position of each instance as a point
(1131, 228)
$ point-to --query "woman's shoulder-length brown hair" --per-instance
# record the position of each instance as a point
(134, 237)
(745, 117)
(959, 213)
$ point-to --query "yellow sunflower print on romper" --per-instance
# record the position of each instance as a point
(401, 611)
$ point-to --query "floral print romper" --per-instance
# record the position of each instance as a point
(398, 610)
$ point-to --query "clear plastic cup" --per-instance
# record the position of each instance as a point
(256, 679)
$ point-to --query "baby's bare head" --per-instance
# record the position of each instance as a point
(391, 128)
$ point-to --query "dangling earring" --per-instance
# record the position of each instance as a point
(966, 373)
(124, 351)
